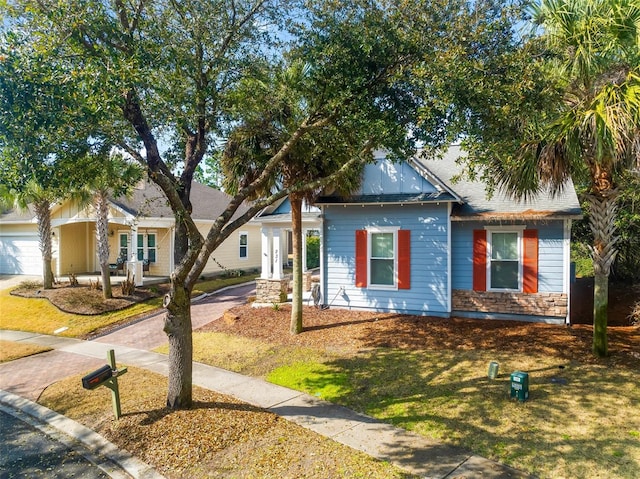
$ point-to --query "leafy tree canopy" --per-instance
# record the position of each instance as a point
(367, 74)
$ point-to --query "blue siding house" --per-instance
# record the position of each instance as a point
(413, 241)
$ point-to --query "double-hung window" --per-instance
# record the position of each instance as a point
(382, 258)
(505, 264)
(505, 259)
(244, 245)
(146, 247)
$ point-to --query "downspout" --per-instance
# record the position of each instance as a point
(449, 260)
(567, 267)
(323, 284)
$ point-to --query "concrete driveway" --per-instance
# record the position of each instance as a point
(11, 280)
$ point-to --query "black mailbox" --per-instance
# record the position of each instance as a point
(97, 377)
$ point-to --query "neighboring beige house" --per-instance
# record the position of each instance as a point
(141, 228)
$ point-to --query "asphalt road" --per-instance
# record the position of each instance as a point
(27, 452)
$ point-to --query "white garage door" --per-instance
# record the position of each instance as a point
(20, 255)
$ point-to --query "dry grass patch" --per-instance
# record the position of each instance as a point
(249, 356)
(219, 437)
(10, 350)
(82, 310)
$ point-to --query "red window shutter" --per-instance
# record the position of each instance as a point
(361, 258)
(530, 261)
(479, 260)
(404, 259)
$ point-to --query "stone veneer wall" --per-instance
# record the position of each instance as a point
(538, 304)
(307, 279)
(271, 290)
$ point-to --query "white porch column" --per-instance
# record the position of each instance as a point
(133, 264)
(133, 244)
(277, 254)
(266, 253)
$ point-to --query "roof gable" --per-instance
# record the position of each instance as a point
(385, 177)
(280, 211)
(390, 182)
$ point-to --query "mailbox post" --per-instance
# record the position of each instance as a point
(107, 376)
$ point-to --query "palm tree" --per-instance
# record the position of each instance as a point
(594, 133)
(34, 194)
(314, 163)
(109, 174)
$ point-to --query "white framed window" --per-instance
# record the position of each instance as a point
(123, 246)
(383, 258)
(146, 247)
(504, 259)
(243, 243)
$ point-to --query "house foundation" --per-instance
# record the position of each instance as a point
(538, 304)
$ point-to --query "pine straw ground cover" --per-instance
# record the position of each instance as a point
(429, 375)
(220, 437)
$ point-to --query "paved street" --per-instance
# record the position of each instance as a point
(27, 452)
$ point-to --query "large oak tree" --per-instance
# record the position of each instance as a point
(174, 69)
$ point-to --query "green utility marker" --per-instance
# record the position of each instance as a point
(520, 386)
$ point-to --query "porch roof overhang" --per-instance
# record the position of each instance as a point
(314, 218)
(524, 216)
(518, 212)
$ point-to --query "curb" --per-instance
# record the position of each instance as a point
(116, 463)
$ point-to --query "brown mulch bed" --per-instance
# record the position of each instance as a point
(356, 330)
(85, 300)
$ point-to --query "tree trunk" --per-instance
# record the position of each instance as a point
(600, 304)
(102, 240)
(296, 226)
(177, 325)
(43, 214)
(181, 244)
(602, 215)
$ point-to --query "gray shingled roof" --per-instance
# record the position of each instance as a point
(17, 215)
(148, 200)
(476, 204)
